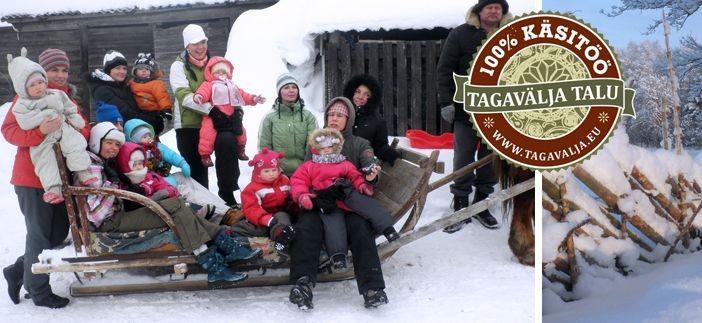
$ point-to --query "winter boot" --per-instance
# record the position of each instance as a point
(241, 152)
(283, 238)
(373, 298)
(338, 262)
(52, 301)
(458, 203)
(301, 293)
(232, 248)
(391, 234)
(213, 263)
(13, 275)
(484, 217)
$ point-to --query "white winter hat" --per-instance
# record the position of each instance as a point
(103, 130)
(20, 68)
(193, 34)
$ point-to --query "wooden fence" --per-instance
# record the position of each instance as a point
(406, 71)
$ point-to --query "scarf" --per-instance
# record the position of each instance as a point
(328, 159)
(199, 63)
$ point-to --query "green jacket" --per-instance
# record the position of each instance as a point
(285, 129)
(185, 79)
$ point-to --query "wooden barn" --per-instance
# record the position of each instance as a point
(402, 60)
(86, 37)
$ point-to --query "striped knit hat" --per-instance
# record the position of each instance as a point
(52, 57)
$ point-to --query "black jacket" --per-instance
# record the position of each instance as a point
(369, 124)
(456, 55)
(120, 95)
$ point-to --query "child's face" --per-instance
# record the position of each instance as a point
(146, 139)
(220, 74)
(326, 150)
(143, 73)
(270, 174)
(37, 89)
(138, 164)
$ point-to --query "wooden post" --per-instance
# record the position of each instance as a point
(677, 130)
(666, 140)
(573, 269)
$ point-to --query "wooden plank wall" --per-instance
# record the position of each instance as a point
(86, 38)
(36, 42)
(406, 71)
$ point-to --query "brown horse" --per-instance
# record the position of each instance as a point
(521, 208)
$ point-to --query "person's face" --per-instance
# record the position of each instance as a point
(337, 121)
(58, 75)
(326, 150)
(138, 165)
(119, 73)
(220, 75)
(143, 73)
(361, 96)
(198, 50)
(119, 126)
(270, 174)
(491, 13)
(146, 139)
(37, 89)
(109, 148)
(288, 93)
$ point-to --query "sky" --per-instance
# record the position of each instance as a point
(628, 27)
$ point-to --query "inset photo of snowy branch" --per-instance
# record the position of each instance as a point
(621, 232)
(269, 161)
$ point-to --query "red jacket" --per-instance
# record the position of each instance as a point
(318, 176)
(23, 169)
(261, 199)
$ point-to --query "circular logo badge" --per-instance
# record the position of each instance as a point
(544, 91)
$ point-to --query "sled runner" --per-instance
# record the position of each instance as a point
(401, 189)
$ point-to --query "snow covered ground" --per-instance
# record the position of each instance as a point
(668, 292)
(468, 276)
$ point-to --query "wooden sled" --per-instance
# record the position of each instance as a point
(401, 188)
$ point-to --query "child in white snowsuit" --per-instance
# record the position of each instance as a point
(35, 104)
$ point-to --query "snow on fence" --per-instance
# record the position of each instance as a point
(622, 207)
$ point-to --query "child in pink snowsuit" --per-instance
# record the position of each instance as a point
(131, 163)
(219, 90)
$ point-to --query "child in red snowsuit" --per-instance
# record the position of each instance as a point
(219, 90)
(266, 201)
(330, 171)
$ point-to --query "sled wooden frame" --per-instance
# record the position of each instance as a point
(402, 187)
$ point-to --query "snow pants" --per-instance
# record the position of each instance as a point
(369, 209)
(195, 193)
(73, 147)
(192, 230)
(307, 245)
(245, 228)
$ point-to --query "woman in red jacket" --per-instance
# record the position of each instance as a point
(47, 224)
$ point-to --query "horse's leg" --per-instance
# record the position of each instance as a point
(521, 233)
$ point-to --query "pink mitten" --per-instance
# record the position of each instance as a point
(197, 98)
(305, 201)
(366, 189)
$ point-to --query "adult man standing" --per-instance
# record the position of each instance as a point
(462, 42)
(186, 75)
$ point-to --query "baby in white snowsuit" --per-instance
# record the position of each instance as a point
(35, 104)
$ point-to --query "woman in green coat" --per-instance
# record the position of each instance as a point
(285, 129)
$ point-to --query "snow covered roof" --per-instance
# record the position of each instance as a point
(48, 8)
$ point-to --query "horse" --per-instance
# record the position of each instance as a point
(521, 208)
